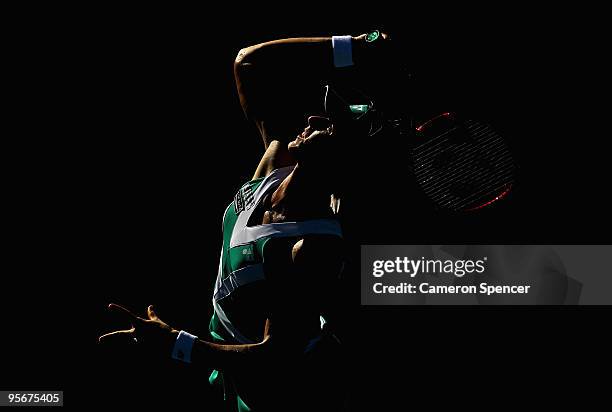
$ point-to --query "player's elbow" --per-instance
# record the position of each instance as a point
(266, 348)
(245, 57)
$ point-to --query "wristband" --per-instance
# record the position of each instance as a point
(183, 346)
(343, 51)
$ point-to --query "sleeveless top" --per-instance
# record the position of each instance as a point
(241, 274)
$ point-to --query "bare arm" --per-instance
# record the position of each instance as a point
(221, 356)
(159, 338)
(280, 82)
(277, 81)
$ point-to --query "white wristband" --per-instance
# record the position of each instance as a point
(343, 50)
(183, 346)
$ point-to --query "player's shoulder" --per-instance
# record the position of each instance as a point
(275, 157)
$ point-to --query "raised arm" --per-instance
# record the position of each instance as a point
(280, 82)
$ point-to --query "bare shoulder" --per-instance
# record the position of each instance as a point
(275, 157)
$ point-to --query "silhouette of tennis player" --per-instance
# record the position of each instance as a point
(271, 342)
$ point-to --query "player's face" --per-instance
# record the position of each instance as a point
(318, 129)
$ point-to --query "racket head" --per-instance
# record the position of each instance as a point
(462, 165)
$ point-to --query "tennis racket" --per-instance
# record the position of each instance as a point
(462, 164)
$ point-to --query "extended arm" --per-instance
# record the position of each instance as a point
(160, 339)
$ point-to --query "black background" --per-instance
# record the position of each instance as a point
(119, 176)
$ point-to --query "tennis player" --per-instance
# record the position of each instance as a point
(270, 341)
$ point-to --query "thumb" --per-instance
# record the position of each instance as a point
(151, 313)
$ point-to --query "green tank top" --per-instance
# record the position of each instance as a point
(239, 293)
